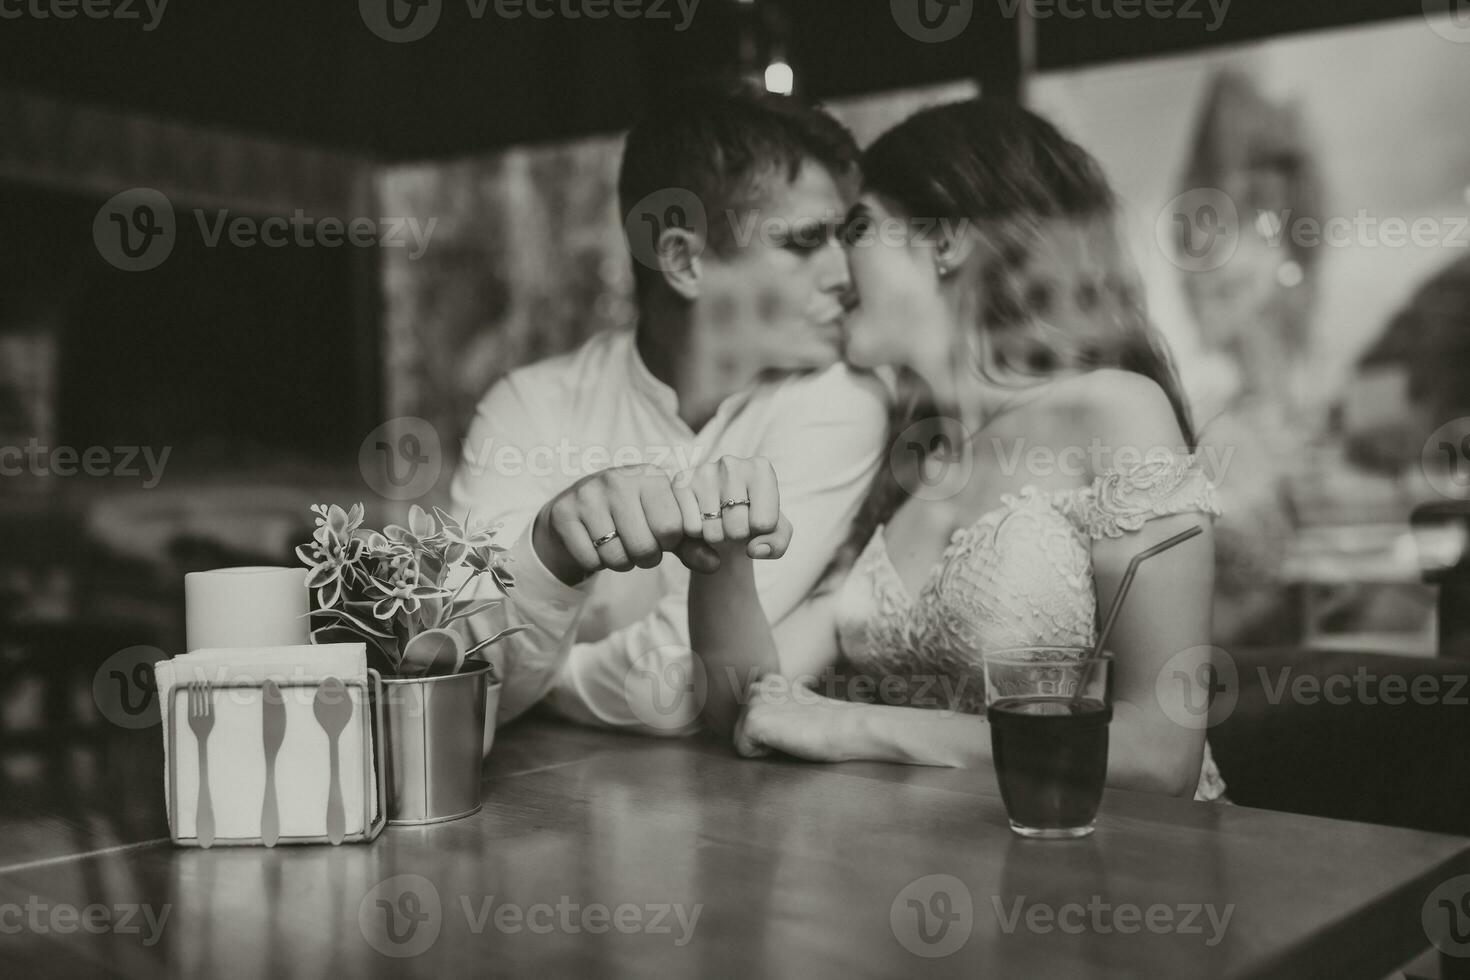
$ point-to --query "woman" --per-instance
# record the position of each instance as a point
(1014, 308)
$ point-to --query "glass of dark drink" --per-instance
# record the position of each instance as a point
(1049, 709)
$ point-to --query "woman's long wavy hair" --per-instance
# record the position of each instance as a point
(1010, 175)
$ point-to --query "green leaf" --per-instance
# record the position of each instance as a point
(497, 637)
(430, 609)
(352, 621)
(473, 611)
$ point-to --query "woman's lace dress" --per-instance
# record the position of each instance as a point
(1019, 576)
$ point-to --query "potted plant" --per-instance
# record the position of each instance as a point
(400, 592)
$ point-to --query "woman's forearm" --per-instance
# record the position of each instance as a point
(1137, 760)
(731, 638)
(919, 736)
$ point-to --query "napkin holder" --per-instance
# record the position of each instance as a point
(368, 730)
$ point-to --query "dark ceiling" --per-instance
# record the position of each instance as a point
(312, 71)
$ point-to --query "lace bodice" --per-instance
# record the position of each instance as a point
(1020, 575)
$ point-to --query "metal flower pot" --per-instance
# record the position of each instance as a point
(433, 727)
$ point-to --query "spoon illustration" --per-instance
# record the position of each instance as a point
(333, 711)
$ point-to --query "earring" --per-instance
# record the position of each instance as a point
(943, 268)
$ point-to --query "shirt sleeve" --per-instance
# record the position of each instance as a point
(497, 481)
(824, 442)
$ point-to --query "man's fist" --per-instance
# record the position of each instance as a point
(613, 519)
(632, 515)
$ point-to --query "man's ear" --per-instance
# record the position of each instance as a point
(679, 251)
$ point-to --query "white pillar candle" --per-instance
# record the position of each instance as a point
(246, 607)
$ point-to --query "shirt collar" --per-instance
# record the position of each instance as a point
(642, 378)
(666, 399)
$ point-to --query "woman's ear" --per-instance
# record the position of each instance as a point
(952, 251)
(678, 252)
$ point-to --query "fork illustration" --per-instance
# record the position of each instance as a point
(201, 722)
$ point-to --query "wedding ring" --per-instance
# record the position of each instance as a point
(609, 536)
(712, 516)
(727, 504)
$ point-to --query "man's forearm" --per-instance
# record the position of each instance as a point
(529, 662)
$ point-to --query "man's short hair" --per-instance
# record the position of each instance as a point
(724, 142)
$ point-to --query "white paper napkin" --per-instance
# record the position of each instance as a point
(236, 747)
(246, 607)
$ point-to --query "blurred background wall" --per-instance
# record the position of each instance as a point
(1331, 148)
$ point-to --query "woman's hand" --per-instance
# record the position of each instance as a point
(785, 717)
(734, 505)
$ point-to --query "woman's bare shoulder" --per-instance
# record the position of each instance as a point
(1115, 413)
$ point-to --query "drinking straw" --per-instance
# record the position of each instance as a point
(1138, 559)
(1123, 587)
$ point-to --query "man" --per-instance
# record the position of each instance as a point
(734, 202)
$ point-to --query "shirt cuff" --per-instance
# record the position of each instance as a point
(535, 583)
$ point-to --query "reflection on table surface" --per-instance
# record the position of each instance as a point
(617, 856)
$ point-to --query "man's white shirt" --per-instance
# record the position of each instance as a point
(614, 650)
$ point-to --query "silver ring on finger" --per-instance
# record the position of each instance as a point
(727, 504)
(609, 536)
(711, 516)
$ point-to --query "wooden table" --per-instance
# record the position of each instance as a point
(591, 847)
